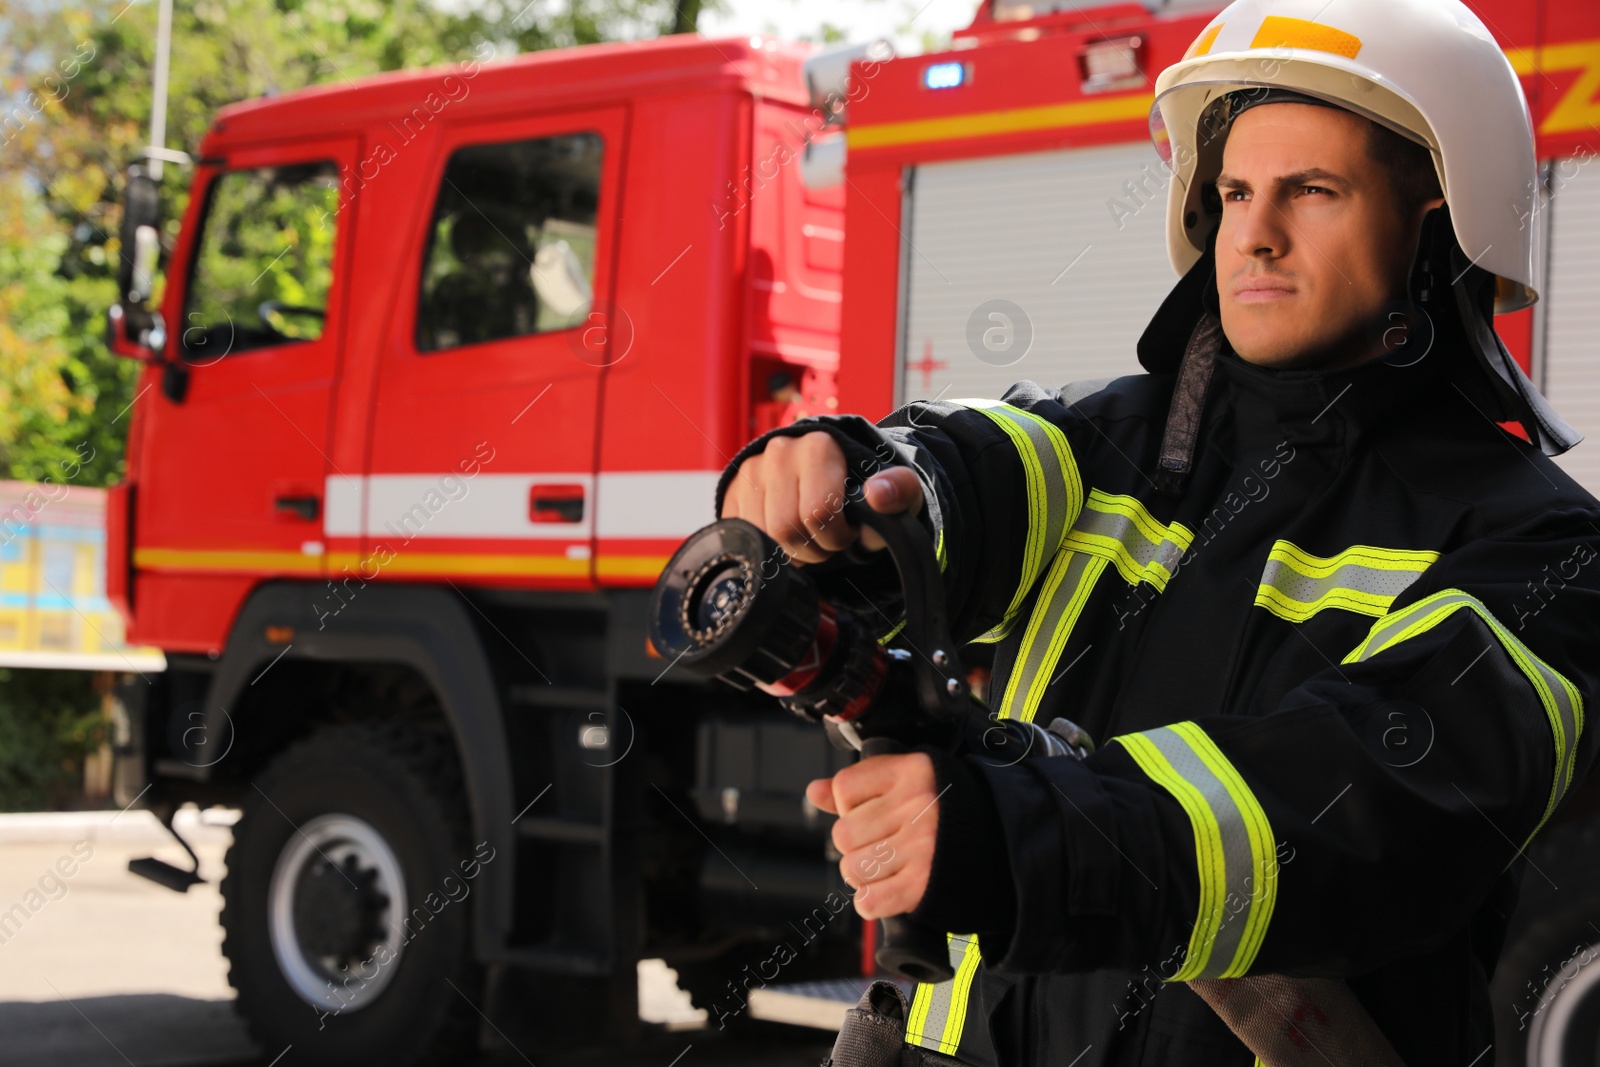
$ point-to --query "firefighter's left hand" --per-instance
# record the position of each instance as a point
(888, 808)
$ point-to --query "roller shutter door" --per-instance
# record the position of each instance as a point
(1570, 368)
(1072, 239)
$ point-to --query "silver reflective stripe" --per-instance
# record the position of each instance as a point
(1120, 529)
(1234, 848)
(1235, 841)
(1054, 488)
(939, 1011)
(1295, 584)
(1410, 621)
(1562, 702)
(1110, 529)
(1066, 589)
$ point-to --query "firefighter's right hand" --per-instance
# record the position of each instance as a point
(795, 491)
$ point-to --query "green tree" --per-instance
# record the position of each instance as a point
(75, 86)
(49, 721)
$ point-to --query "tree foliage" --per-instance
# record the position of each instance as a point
(49, 721)
(75, 103)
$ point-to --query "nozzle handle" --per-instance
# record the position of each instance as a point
(941, 682)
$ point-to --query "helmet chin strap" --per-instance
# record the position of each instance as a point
(1459, 296)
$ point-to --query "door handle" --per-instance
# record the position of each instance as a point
(303, 507)
(555, 503)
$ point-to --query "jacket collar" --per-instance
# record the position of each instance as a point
(1358, 397)
(1332, 407)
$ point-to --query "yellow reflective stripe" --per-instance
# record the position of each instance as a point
(917, 1021)
(1121, 530)
(1233, 846)
(1563, 704)
(1287, 608)
(1207, 845)
(950, 1042)
(999, 633)
(1295, 584)
(939, 1010)
(1054, 488)
(1066, 588)
(1110, 529)
(1261, 882)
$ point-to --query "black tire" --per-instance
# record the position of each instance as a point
(1546, 989)
(396, 1004)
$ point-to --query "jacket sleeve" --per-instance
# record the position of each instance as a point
(1365, 819)
(995, 521)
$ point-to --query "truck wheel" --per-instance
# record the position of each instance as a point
(1546, 989)
(345, 912)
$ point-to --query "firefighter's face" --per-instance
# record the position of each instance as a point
(1314, 247)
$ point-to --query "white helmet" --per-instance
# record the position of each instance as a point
(1427, 69)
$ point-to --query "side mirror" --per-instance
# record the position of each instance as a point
(141, 334)
(140, 235)
(133, 329)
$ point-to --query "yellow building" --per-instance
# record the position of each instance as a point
(53, 607)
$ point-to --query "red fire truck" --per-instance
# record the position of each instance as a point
(447, 364)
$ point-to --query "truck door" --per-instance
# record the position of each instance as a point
(231, 477)
(483, 446)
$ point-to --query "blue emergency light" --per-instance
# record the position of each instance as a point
(944, 75)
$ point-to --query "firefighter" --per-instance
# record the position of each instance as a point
(1312, 582)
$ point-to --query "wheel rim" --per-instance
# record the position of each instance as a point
(334, 908)
(1566, 1025)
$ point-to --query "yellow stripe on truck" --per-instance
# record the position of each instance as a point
(646, 567)
(995, 123)
(186, 559)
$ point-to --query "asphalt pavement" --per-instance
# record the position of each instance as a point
(101, 967)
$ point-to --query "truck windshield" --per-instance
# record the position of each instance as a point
(265, 261)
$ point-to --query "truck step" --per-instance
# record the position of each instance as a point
(565, 830)
(165, 874)
(817, 1004)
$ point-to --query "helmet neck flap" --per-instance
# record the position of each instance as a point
(1455, 295)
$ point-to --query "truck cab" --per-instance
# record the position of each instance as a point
(447, 364)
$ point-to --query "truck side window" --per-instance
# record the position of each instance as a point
(512, 243)
(264, 267)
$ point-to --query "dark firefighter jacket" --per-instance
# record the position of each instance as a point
(1337, 682)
